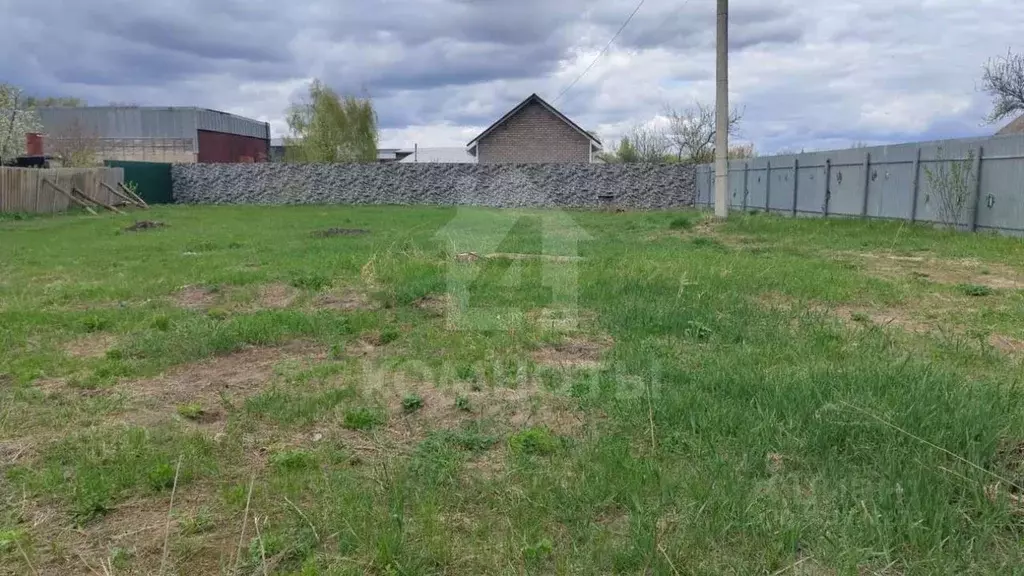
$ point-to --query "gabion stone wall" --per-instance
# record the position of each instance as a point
(501, 186)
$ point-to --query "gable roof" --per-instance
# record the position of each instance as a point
(1015, 127)
(533, 98)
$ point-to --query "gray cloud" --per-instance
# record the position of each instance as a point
(871, 70)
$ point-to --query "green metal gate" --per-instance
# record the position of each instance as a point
(152, 179)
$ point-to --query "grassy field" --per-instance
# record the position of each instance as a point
(471, 391)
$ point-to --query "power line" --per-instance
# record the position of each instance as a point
(601, 53)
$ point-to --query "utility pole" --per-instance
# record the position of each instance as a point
(722, 114)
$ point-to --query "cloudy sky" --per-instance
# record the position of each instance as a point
(808, 75)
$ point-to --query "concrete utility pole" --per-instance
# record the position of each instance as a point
(722, 114)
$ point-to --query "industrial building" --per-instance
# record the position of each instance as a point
(156, 134)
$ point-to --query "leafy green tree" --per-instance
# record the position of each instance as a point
(625, 153)
(326, 128)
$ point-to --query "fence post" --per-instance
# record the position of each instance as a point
(917, 186)
(768, 190)
(711, 187)
(746, 180)
(867, 184)
(977, 191)
(828, 185)
(796, 183)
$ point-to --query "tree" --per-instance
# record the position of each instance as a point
(1004, 81)
(650, 143)
(742, 152)
(328, 128)
(691, 132)
(76, 145)
(643, 144)
(624, 153)
(16, 120)
(54, 102)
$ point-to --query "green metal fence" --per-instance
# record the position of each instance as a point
(152, 179)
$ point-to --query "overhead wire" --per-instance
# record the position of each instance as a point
(601, 53)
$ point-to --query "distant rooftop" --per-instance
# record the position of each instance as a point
(457, 155)
(1015, 127)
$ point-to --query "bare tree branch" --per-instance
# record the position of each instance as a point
(76, 145)
(1004, 81)
(691, 132)
(650, 142)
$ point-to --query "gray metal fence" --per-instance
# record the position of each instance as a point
(881, 182)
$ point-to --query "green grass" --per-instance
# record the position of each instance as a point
(736, 422)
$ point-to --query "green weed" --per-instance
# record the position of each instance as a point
(412, 403)
(362, 419)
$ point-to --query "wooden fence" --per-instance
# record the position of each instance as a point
(55, 190)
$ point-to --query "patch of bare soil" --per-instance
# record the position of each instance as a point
(576, 352)
(943, 271)
(864, 316)
(138, 527)
(94, 345)
(1006, 344)
(432, 304)
(345, 301)
(211, 383)
(365, 347)
(854, 315)
(277, 296)
(334, 232)
(144, 225)
(195, 297)
(506, 409)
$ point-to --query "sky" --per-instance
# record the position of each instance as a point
(805, 75)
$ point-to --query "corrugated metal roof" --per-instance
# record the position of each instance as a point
(150, 122)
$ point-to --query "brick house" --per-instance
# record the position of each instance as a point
(534, 132)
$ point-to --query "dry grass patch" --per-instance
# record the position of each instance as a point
(576, 352)
(131, 535)
(942, 271)
(94, 345)
(435, 305)
(930, 314)
(348, 300)
(208, 385)
(195, 298)
(1007, 344)
(454, 408)
(276, 296)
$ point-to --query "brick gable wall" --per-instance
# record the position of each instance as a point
(533, 136)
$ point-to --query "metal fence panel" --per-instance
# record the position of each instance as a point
(884, 182)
